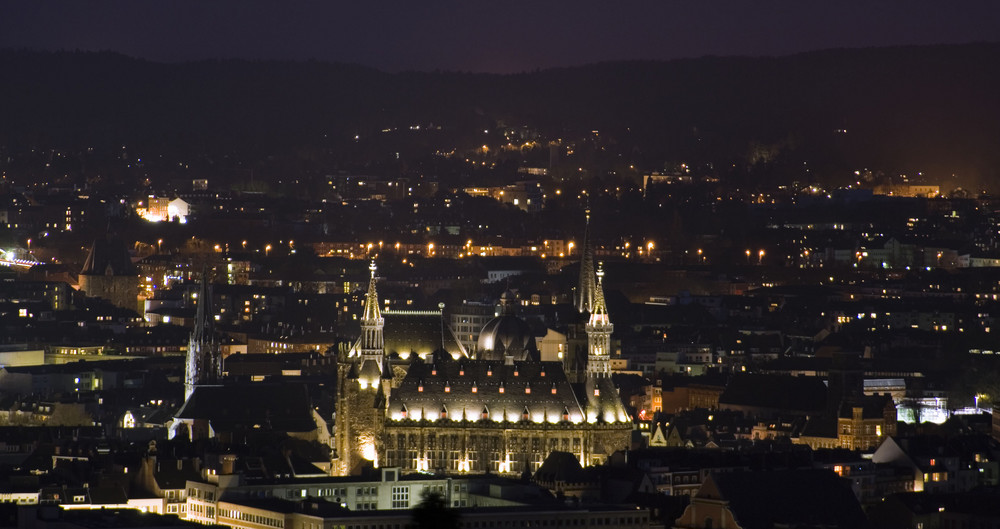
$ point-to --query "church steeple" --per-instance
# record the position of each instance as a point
(585, 289)
(599, 329)
(204, 359)
(372, 312)
(371, 345)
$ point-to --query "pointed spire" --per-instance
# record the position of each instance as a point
(599, 329)
(371, 346)
(372, 311)
(204, 323)
(585, 289)
(599, 308)
(204, 361)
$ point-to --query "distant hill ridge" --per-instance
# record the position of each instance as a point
(931, 108)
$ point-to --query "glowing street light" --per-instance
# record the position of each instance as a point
(760, 257)
(267, 250)
(748, 256)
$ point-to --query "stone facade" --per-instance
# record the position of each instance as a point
(502, 448)
(502, 415)
(121, 291)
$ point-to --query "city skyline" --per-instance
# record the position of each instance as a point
(739, 292)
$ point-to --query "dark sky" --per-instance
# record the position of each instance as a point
(497, 36)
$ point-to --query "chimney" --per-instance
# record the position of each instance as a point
(228, 464)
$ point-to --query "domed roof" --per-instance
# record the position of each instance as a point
(506, 335)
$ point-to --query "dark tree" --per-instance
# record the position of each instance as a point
(433, 512)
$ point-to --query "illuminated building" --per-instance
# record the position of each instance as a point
(502, 412)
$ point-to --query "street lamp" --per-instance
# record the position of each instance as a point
(760, 257)
(748, 256)
(159, 245)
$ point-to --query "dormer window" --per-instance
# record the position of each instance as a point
(527, 390)
(515, 371)
(543, 373)
(461, 372)
(489, 372)
(553, 389)
(420, 387)
(447, 387)
(597, 392)
(474, 388)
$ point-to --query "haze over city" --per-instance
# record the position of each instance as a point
(498, 37)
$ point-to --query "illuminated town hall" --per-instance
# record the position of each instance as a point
(500, 409)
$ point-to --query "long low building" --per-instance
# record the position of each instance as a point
(284, 514)
(482, 501)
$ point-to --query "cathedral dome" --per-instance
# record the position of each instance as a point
(506, 335)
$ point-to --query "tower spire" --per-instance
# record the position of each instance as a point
(371, 345)
(204, 361)
(372, 311)
(599, 329)
(586, 287)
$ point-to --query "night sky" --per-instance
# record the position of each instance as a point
(482, 36)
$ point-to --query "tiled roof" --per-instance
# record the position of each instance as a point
(418, 332)
(805, 394)
(471, 386)
(109, 256)
(277, 407)
(811, 498)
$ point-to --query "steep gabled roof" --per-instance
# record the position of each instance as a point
(420, 332)
(801, 394)
(109, 256)
(276, 407)
(810, 498)
(465, 386)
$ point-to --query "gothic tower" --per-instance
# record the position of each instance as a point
(363, 379)
(110, 274)
(586, 287)
(204, 358)
(599, 329)
(371, 345)
(603, 403)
